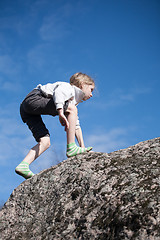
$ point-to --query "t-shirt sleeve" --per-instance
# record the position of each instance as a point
(61, 94)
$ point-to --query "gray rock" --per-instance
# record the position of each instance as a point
(91, 196)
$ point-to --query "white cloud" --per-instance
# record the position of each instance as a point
(10, 71)
(11, 86)
(20, 23)
(8, 66)
(6, 111)
(54, 27)
(120, 97)
(14, 139)
(41, 57)
(113, 140)
(57, 25)
(38, 57)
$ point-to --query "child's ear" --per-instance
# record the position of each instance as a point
(81, 85)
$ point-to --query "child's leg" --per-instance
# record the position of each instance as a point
(38, 149)
(33, 106)
(72, 118)
(23, 168)
(72, 148)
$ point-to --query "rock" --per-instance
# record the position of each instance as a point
(91, 196)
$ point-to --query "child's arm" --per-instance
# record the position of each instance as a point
(79, 137)
(62, 118)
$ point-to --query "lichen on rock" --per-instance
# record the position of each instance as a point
(91, 196)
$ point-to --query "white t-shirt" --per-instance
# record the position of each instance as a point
(62, 92)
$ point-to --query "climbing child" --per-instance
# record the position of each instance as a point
(59, 98)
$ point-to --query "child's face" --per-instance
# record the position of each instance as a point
(87, 89)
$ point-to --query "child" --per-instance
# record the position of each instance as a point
(59, 98)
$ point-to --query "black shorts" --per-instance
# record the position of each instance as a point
(34, 105)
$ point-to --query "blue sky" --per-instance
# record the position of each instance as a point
(114, 41)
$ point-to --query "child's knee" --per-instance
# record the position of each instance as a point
(72, 109)
(45, 141)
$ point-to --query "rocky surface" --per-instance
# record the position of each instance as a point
(91, 196)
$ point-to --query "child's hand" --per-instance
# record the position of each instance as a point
(63, 120)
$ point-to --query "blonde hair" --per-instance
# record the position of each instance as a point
(78, 78)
